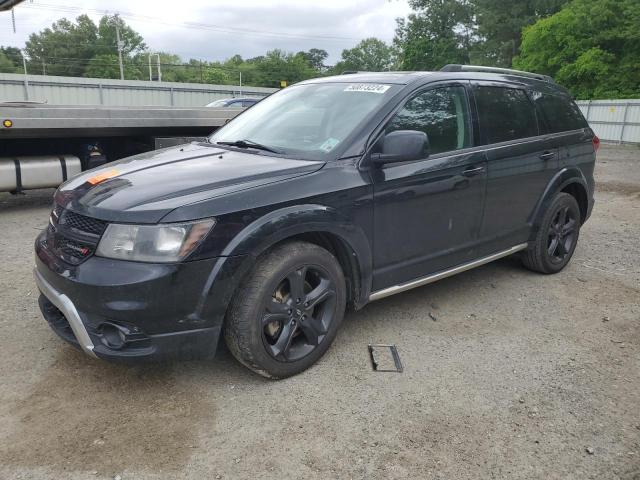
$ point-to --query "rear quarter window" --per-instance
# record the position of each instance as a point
(505, 114)
(560, 112)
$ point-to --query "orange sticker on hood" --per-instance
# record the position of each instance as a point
(101, 177)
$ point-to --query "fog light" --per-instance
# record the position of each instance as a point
(112, 336)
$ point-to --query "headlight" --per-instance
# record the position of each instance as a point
(153, 243)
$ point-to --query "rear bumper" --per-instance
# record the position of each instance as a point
(127, 311)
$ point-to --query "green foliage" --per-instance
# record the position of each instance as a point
(107, 37)
(106, 66)
(499, 26)
(69, 48)
(64, 46)
(10, 60)
(6, 65)
(485, 32)
(279, 65)
(591, 46)
(316, 58)
(437, 33)
(370, 54)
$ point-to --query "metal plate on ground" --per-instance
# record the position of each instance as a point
(385, 358)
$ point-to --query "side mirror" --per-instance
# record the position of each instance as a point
(402, 146)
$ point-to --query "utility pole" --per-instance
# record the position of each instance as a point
(26, 79)
(150, 75)
(240, 82)
(120, 45)
(159, 71)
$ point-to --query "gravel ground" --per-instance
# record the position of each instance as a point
(517, 375)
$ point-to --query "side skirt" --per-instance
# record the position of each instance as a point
(434, 277)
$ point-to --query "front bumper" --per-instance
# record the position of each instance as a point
(68, 310)
(119, 310)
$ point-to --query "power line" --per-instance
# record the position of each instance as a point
(190, 25)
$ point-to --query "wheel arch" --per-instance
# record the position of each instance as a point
(579, 192)
(568, 180)
(318, 224)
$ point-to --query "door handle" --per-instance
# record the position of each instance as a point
(473, 171)
(547, 155)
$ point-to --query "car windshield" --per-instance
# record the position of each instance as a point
(306, 121)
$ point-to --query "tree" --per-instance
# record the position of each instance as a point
(10, 60)
(6, 64)
(499, 26)
(370, 54)
(107, 66)
(68, 48)
(132, 41)
(316, 58)
(278, 65)
(439, 32)
(591, 46)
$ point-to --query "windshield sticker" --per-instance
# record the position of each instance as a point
(367, 87)
(329, 144)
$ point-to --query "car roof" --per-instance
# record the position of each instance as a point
(406, 78)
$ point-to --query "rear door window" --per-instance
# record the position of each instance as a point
(560, 112)
(505, 114)
(441, 113)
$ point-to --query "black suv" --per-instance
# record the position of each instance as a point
(328, 194)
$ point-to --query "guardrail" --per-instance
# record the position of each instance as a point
(116, 93)
(616, 121)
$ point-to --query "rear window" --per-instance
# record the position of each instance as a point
(560, 113)
(505, 114)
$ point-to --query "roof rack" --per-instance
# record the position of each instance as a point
(453, 67)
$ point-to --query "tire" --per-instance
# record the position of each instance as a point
(556, 238)
(267, 330)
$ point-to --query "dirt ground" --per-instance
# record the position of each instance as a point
(519, 376)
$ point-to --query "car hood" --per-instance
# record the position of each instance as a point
(146, 187)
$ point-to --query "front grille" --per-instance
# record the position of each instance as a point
(73, 237)
(82, 223)
(74, 250)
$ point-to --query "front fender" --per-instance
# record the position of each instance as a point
(239, 256)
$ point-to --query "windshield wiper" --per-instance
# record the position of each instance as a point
(250, 144)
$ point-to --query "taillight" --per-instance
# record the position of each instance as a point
(596, 143)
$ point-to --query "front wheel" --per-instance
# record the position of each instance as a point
(557, 237)
(287, 313)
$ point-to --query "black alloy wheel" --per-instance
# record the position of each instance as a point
(298, 314)
(557, 236)
(287, 312)
(562, 234)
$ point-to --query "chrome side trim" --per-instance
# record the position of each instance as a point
(444, 274)
(65, 305)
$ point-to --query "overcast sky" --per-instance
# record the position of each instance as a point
(246, 27)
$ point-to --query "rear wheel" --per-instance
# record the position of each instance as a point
(284, 318)
(557, 237)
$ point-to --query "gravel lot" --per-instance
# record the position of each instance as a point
(519, 376)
